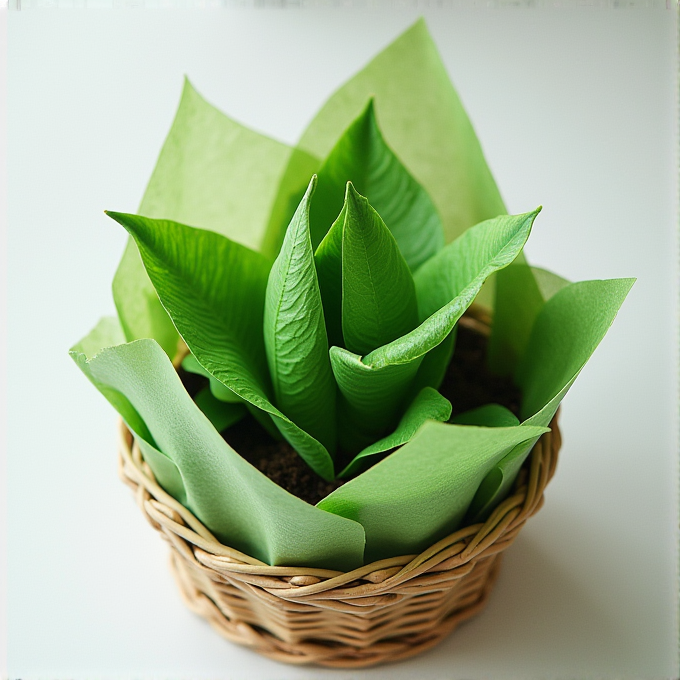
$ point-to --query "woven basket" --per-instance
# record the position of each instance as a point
(382, 612)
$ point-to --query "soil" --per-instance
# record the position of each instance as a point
(467, 384)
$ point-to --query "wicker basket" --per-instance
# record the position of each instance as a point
(384, 611)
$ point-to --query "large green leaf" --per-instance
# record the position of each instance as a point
(423, 122)
(484, 248)
(214, 291)
(428, 405)
(566, 332)
(378, 293)
(295, 333)
(242, 507)
(420, 493)
(362, 157)
(521, 292)
(214, 173)
(371, 399)
(446, 285)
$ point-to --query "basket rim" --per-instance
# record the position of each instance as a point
(454, 551)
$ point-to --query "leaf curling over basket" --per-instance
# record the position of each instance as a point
(318, 290)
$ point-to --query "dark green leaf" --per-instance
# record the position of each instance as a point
(295, 334)
(378, 293)
(221, 414)
(362, 157)
(214, 290)
(489, 415)
(428, 405)
(451, 279)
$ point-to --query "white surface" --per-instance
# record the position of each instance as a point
(576, 110)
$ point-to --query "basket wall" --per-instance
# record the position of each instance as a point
(384, 611)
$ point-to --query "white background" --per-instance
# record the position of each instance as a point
(576, 110)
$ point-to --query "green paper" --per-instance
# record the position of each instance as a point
(214, 291)
(295, 334)
(419, 493)
(428, 405)
(565, 334)
(213, 173)
(242, 507)
(423, 122)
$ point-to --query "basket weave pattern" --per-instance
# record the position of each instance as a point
(384, 611)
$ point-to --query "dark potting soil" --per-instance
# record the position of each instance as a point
(467, 385)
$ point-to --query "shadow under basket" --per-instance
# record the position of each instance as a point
(382, 612)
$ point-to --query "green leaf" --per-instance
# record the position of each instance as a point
(371, 399)
(489, 415)
(221, 414)
(242, 507)
(470, 259)
(419, 493)
(567, 330)
(378, 293)
(219, 391)
(452, 279)
(295, 334)
(211, 172)
(521, 291)
(328, 262)
(423, 122)
(362, 157)
(428, 405)
(214, 291)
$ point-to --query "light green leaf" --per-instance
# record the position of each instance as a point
(242, 507)
(486, 247)
(521, 291)
(489, 415)
(214, 290)
(452, 278)
(362, 157)
(190, 365)
(423, 122)
(295, 334)
(378, 293)
(567, 330)
(419, 493)
(214, 173)
(428, 405)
